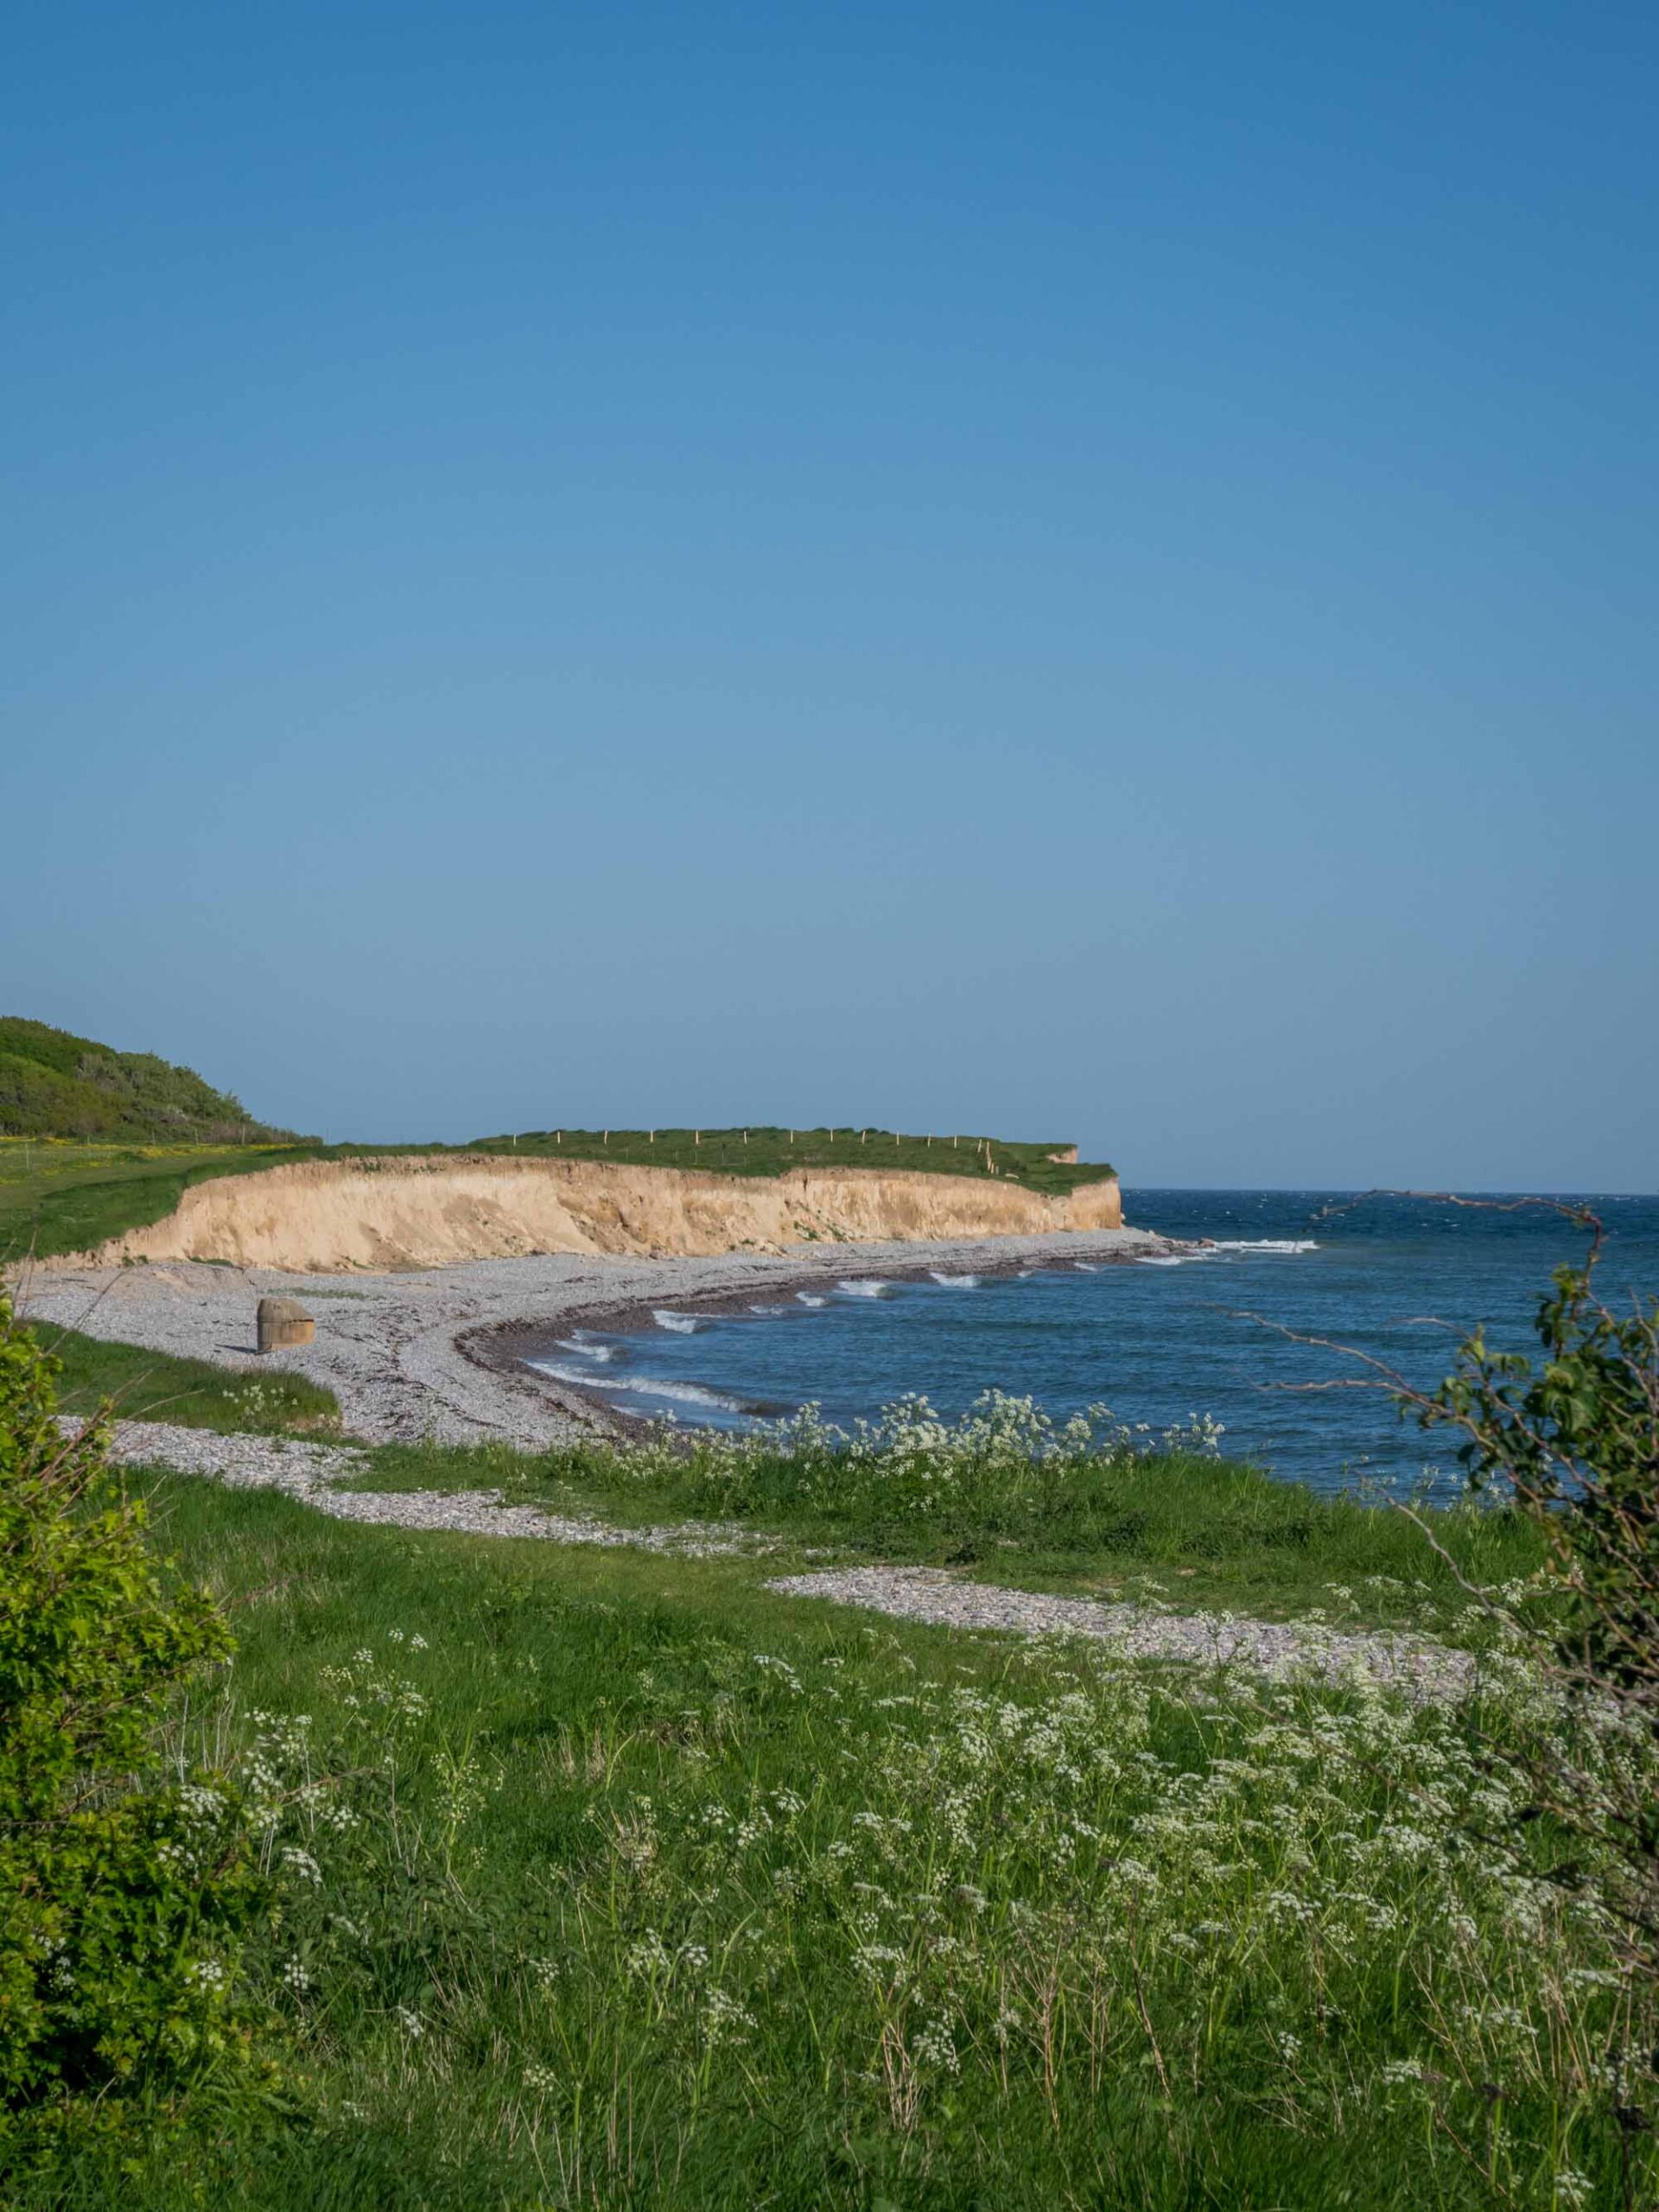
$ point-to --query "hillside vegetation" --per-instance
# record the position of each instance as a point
(53, 1084)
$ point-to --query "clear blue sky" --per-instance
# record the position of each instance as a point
(1067, 569)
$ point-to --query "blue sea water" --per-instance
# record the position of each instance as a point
(1156, 1341)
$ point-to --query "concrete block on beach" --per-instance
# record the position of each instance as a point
(284, 1321)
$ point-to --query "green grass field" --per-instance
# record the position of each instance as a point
(638, 1885)
(60, 1195)
(1196, 1532)
(611, 1879)
(145, 1385)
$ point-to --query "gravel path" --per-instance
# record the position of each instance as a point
(1422, 1670)
(310, 1473)
(417, 1355)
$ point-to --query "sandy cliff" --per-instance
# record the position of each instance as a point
(325, 1215)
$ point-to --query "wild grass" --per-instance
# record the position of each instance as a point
(1010, 1495)
(58, 1195)
(144, 1385)
(1003, 1494)
(610, 1881)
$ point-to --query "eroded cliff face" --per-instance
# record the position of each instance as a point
(321, 1215)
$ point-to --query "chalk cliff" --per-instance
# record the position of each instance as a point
(323, 1216)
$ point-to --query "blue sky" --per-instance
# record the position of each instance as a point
(1073, 570)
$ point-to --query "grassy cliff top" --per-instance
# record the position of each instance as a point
(60, 1194)
(95, 1142)
(758, 1151)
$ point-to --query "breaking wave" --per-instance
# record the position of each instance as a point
(956, 1282)
(860, 1287)
(683, 1324)
(1214, 1250)
(686, 1393)
(1266, 1244)
(588, 1349)
(811, 1298)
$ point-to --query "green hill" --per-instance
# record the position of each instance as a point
(55, 1085)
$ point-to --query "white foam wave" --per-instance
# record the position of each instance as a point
(683, 1324)
(587, 1351)
(646, 1386)
(860, 1288)
(1265, 1244)
(957, 1282)
(1086, 1267)
(1180, 1259)
(811, 1298)
(768, 1309)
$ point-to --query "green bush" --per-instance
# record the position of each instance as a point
(127, 1880)
(1574, 1441)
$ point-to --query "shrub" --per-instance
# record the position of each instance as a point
(1574, 1442)
(124, 1887)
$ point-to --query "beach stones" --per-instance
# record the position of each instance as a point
(284, 1321)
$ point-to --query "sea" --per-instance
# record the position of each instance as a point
(1161, 1341)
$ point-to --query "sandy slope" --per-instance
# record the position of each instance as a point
(319, 1217)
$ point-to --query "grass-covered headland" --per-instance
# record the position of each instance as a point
(62, 1195)
(778, 1151)
(498, 1874)
(94, 1143)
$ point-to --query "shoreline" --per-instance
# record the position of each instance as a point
(505, 1348)
(432, 1353)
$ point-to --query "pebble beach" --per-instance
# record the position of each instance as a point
(431, 1353)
